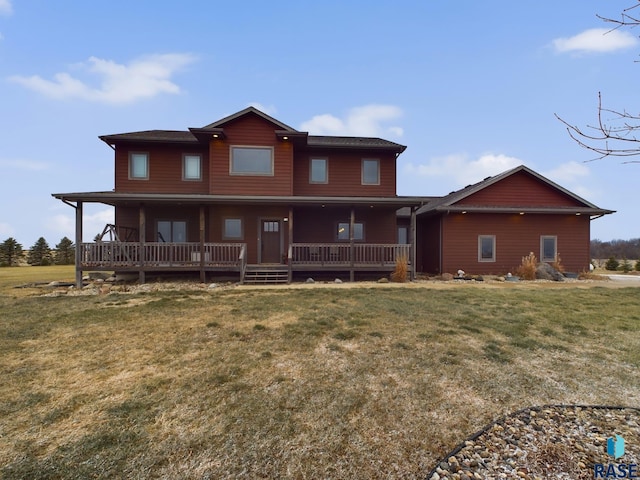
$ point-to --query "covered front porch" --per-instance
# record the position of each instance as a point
(213, 234)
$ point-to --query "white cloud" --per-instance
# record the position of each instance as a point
(28, 165)
(6, 231)
(118, 84)
(268, 109)
(5, 7)
(462, 170)
(596, 40)
(567, 172)
(63, 225)
(365, 121)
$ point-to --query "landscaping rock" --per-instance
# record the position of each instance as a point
(544, 271)
(447, 277)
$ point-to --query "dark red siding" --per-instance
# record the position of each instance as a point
(345, 175)
(254, 131)
(165, 170)
(251, 217)
(519, 190)
(516, 236)
(319, 225)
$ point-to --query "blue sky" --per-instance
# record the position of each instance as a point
(471, 87)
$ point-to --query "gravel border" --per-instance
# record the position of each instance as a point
(544, 442)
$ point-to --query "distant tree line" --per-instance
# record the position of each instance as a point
(12, 253)
(616, 248)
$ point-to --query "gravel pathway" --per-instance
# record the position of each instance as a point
(549, 442)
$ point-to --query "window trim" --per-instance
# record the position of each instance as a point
(481, 259)
(555, 248)
(184, 167)
(348, 239)
(131, 164)
(224, 228)
(362, 179)
(326, 170)
(251, 147)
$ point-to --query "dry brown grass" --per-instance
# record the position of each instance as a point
(295, 383)
(527, 269)
(401, 269)
(557, 264)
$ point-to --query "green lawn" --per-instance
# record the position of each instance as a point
(367, 382)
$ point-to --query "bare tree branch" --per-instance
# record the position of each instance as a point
(617, 135)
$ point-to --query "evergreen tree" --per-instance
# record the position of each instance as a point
(65, 252)
(10, 252)
(40, 253)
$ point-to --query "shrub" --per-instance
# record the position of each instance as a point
(557, 264)
(527, 269)
(612, 264)
(625, 265)
(637, 266)
(399, 274)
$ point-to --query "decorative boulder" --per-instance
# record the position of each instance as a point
(544, 271)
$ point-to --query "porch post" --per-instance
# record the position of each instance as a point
(78, 246)
(142, 233)
(413, 255)
(289, 247)
(352, 223)
(202, 253)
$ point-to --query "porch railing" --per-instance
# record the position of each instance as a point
(338, 254)
(161, 254)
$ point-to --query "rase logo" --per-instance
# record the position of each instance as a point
(615, 449)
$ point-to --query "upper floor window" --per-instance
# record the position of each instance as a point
(370, 171)
(138, 166)
(251, 161)
(548, 248)
(486, 248)
(191, 167)
(318, 170)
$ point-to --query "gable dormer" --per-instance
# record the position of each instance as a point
(250, 153)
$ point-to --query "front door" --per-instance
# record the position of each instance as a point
(270, 241)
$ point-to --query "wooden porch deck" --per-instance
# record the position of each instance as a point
(232, 257)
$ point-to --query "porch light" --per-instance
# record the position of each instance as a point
(521, 213)
(464, 212)
(285, 138)
(578, 214)
(215, 135)
(285, 219)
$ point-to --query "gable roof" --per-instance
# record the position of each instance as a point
(449, 202)
(249, 111)
(202, 135)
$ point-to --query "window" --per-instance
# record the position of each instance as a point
(343, 231)
(548, 248)
(191, 167)
(172, 231)
(232, 229)
(486, 248)
(318, 172)
(138, 166)
(271, 226)
(370, 171)
(403, 235)
(251, 161)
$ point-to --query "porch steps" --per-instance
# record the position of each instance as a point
(264, 274)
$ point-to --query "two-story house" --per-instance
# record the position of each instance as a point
(251, 196)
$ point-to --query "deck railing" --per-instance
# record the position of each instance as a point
(160, 254)
(360, 254)
(114, 255)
